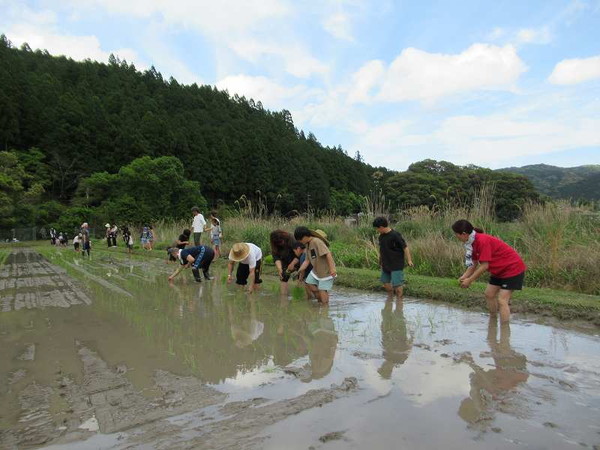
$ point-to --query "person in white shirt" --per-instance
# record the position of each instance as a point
(197, 225)
(249, 259)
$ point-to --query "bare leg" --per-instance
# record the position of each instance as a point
(313, 291)
(389, 290)
(503, 299)
(283, 288)
(324, 297)
(490, 296)
(399, 291)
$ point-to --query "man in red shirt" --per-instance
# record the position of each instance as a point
(485, 253)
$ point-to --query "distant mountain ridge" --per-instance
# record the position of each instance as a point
(578, 183)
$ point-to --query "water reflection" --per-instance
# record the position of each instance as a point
(395, 340)
(220, 333)
(492, 387)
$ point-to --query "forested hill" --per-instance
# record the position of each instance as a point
(580, 183)
(87, 117)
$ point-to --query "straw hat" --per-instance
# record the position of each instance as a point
(107, 225)
(321, 235)
(239, 252)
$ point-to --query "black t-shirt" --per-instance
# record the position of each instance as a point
(182, 238)
(391, 248)
(286, 256)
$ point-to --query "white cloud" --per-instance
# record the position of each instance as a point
(419, 75)
(541, 35)
(209, 17)
(230, 24)
(296, 59)
(339, 26)
(534, 35)
(577, 70)
(77, 47)
(363, 81)
(493, 141)
(270, 93)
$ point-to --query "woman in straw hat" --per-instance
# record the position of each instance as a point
(249, 259)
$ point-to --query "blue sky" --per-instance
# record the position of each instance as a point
(492, 83)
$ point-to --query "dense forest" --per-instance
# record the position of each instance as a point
(577, 183)
(108, 142)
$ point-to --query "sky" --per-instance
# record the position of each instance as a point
(493, 83)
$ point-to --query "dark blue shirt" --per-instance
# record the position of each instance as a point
(198, 253)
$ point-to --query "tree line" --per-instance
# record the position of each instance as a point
(102, 136)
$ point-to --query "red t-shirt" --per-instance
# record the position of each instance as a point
(503, 260)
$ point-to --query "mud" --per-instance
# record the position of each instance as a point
(29, 281)
(148, 364)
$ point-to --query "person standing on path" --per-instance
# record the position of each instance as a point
(485, 253)
(128, 239)
(198, 225)
(394, 254)
(320, 279)
(249, 259)
(85, 239)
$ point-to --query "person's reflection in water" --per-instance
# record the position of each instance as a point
(395, 340)
(323, 343)
(248, 330)
(495, 387)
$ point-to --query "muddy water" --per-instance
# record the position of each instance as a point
(126, 360)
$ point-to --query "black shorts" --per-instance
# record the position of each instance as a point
(243, 272)
(512, 283)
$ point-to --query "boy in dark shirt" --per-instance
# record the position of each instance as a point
(181, 243)
(393, 255)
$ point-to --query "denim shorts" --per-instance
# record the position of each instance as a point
(395, 277)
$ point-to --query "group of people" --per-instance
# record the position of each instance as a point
(58, 238)
(306, 256)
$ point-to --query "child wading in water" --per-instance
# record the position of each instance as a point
(488, 253)
(393, 255)
(320, 279)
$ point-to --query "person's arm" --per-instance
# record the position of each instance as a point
(476, 273)
(302, 269)
(467, 273)
(292, 265)
(408, 257)
(331, 265)
(251, 279)
(179, 269)
(279, 267)
(229, 271)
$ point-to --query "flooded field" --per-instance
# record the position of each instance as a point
(107, 354)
